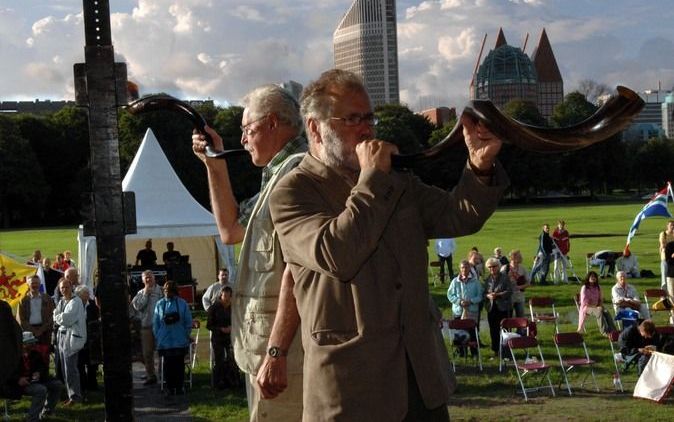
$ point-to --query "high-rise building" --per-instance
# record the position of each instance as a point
(507, 74)
(668, 116)
(365, 42)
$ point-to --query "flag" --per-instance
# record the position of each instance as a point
(13, 284)
(656, 207)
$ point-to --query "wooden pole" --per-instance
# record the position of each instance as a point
(100, 86)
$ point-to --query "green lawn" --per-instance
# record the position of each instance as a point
(489, 395)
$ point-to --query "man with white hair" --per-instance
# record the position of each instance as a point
(72, 335)
(272, 133)
(73, 277)
(355, 233)
(144, 303)
(625, 296)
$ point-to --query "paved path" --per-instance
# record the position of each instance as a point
(150, 405)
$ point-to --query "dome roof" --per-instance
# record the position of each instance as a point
(506, 65)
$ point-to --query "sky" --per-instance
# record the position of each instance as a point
(220, 49)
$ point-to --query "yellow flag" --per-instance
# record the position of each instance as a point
(13, 284)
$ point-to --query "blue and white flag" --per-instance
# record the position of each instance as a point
(656, 207)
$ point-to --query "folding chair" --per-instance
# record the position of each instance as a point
(536, 316)
(467, 325)
(529, 365)
(507, 325)
(579, 358)
(617, 360)
(435, 272)
(655, 295)
(5, 417)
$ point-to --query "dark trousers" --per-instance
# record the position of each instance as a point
(494, 317)
(88, 371)
(416, 410)
(174, 368)
(222, 356)
(445, 261)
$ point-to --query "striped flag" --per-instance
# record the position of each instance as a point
(656, 207)
(13, 284)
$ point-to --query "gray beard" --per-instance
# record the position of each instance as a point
(334, 154)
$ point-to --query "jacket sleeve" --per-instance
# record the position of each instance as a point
(477, 293)
(452, 293)
(140, 301)
(206, 298)
(156, 317)
(70, 313)
(186, 318)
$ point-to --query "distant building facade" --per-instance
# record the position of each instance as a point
(365, 42)
(668, 116)
(439, 116)
(507, 73)
(34, 107)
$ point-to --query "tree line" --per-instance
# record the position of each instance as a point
(45, 175)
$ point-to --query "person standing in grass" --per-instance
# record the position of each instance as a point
(144, 303)
(543, 255)
(519, 279)
(498, 295)
(562, 245)
(665, 237)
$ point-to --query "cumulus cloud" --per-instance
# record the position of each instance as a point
(222, 49)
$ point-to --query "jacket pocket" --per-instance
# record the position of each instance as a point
(262, 246)
(331, 337)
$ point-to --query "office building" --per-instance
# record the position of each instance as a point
(365, 42)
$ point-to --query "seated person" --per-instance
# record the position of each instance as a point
(638, 342)
(171, 256)
(591, 303)
(146, 257)
(625, 296)
(604, 259)
(34, 380)
(629, 264)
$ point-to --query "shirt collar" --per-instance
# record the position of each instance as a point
(298, 144)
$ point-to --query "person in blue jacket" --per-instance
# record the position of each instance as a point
(172, 326)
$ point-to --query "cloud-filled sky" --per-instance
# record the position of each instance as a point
(222, 48)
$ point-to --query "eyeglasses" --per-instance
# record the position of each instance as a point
(357, 118)
(247, 130)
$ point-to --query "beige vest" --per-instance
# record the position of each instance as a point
(258, 283)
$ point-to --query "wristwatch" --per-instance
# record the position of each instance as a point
(276, 352)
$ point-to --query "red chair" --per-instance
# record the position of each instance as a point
(468, 325)
(507, 327)
(529, 365)
(539, 312)
(617, 359)
(580, 357)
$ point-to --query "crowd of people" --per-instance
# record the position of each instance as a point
(322, 241)
(501, 291)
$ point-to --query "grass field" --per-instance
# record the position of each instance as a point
(489, 395)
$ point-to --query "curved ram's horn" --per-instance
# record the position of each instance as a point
(167, 102)
(615, 115)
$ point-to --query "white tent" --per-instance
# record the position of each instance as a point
(165, 211)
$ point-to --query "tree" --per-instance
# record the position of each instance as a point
(22, 185)
(416, 129)
(593, 90)
(441, 133)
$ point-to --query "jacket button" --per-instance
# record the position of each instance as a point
(399, 286)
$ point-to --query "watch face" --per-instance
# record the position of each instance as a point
(274, 352)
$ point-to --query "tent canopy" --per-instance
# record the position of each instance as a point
(165, 212)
